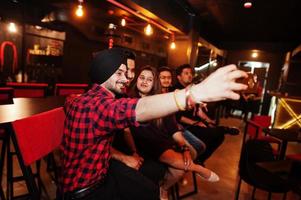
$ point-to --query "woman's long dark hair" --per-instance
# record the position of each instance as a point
(156, 89)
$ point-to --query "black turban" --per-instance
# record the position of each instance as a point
(106, 62)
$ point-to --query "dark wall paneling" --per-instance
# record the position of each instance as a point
(78, 52)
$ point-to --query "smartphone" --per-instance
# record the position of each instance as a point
(250, 82)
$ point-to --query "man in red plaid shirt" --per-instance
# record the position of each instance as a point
(94, 117)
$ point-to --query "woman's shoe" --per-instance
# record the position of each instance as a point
(212, 178)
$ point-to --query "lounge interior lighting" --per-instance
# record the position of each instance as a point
(79, 11)
(12, 28)
(140, 15)
(295, 118)
(254, 55)
(148, 30)
(123, 22)
(172, 44)
(248, 4)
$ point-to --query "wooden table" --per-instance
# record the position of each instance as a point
(26, 107)
(286, 135)
(22, 108)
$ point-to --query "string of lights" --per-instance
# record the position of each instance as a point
(148, 29)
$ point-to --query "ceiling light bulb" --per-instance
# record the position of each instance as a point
(172, 45)
(12, 27)
(123, 22)
(254, 55)
(248, 4)
(111, 26)
(79, 11)
(148, 30)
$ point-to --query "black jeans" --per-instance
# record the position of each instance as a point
(121, 183)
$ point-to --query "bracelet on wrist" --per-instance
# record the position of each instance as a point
(177, 102)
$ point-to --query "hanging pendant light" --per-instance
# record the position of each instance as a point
(148, 30)
(79, 12)
(123, 22)
(248, 4)
(12, 28)
(172, 44)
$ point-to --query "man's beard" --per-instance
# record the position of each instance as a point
(119, 92)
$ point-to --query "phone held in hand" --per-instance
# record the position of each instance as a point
(251, 82)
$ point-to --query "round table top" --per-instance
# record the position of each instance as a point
(26, 107)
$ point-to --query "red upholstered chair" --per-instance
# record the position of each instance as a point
(35, 137)
(254, 129)
(65, 89)
(30, 90)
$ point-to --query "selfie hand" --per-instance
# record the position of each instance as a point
(220, 85)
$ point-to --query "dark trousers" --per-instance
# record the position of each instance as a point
(122, 183)
(213, 137)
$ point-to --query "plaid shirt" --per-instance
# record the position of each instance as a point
(91, 120)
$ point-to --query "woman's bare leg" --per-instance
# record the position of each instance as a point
(175, 159)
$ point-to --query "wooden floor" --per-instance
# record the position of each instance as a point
(224, 162)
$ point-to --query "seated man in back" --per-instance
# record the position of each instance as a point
(196, 121)
(166, 81)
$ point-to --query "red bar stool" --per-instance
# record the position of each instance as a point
(3, 138)
(30, 90)
(35, 137)
(65, 89)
